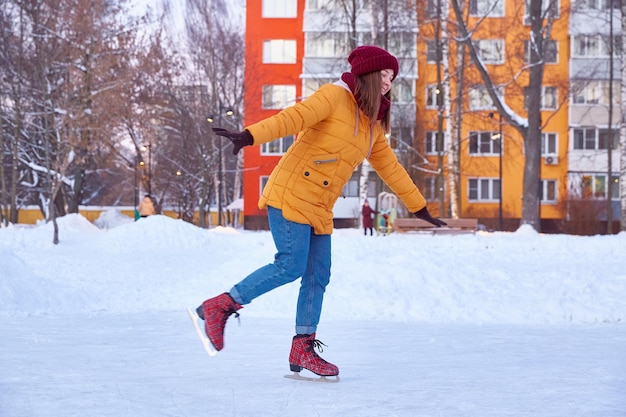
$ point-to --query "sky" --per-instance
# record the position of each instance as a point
(485, 324)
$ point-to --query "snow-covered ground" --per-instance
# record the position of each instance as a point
(492, 324)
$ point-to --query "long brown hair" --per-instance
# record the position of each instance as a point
(368, 88)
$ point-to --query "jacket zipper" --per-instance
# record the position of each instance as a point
(324, 161)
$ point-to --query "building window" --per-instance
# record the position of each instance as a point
(279, 51)
(604, 139)
(491, 8)
(402, 43)
(430, 189)
(479, 98)
(327, 45)
(403, 91)
(351, 189)
(590, 92)
(593, 92)
(433, 96)
(552, 5)
(278, 96)
(484, 143)
(490, 51)
(594, 46)
(596, 4)
(403, 135)
(262, 183)
(589, 46)
(320, 4)
(614, 187)
(277, 146)
(549, 98)
(430, 144)
(484, 189)
(595, 186)
(280, 9)
(549, 144)
(594, 139)
(431, 51)
(548, 191)
(311, 85)
(431, 8)
(585, 139)
(550, 52)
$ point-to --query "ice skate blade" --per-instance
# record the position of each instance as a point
(298, 377)
(208, 346)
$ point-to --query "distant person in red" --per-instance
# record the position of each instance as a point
(366, 212)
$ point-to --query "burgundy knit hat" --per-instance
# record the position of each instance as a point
(366, 59)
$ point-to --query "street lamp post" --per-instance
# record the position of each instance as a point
(148, 147)
(500, 172)
(136, 189)
(220, 179)
(499, 136)
(150, 168)
(220, 170)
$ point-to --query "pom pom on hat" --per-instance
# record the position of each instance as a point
(366, 59)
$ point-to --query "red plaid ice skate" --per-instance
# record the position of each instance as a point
(215, 311)
(304, 356)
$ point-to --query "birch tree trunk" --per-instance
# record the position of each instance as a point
(365, 166)
(609, 208)
(622, 141)
(363, 182)
(450, 150)
(237, 186)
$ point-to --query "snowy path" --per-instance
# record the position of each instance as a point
(140, 365)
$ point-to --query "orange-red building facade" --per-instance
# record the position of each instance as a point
(260, 28)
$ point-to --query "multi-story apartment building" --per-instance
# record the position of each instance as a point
(490, 152)
(594, 93)
(293, 46)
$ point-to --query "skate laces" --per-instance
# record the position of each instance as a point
(230, 312)
(316, 344)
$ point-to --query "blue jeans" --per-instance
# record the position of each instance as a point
(300, 253)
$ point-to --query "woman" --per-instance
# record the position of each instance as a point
(339, 126)
(368, 222)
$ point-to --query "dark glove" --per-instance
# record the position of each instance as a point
(425, 215)
(239, 139)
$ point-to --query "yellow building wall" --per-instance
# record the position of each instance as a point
(514, 32)
(32, 214)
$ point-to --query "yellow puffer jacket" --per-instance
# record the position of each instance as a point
(333, 139)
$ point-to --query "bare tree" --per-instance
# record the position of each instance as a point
(217, 57)
(12, 28)
(85, 88)
(541, 19)
(62, 60)
(148, 107)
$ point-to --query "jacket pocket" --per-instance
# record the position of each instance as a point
(315, 181)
